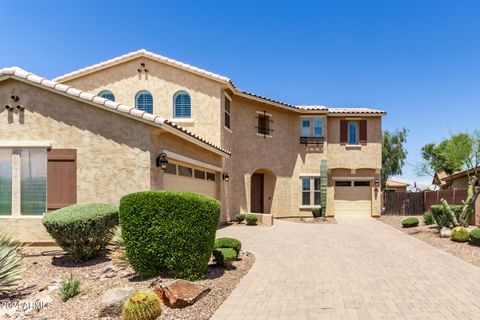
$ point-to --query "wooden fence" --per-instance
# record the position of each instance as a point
(416, 203)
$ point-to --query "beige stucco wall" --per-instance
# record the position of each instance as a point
(460, 182)
(115, 154)
(162, 81)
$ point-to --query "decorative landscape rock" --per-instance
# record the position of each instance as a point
(182, 293)
(113, 299)
(445, 232)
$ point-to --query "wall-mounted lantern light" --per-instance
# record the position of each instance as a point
(376, 184)
(162, 161)
(225, 176)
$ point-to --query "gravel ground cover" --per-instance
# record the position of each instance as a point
(429, 234)
(46, 267)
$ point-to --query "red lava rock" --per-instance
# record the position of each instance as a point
(183, 293)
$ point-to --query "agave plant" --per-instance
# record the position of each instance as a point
(11, 263)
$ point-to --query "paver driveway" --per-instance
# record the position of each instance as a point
(359, 268)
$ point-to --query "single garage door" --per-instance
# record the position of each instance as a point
(183, 177)
(353, 198)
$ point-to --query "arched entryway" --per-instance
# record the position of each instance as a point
(262, 188)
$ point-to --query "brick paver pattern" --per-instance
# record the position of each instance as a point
(359, 268)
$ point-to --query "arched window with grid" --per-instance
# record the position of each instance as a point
(107, 94)
(182, 107)
(144, 101)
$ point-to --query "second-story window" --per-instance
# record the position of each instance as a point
(318, 127)
(182, 107)
(264, 121)
(352, 132)
(144, 101)
(107, 94)
(227, 113)
(308, 130)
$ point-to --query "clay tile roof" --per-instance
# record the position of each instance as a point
(394, 183)
(141, 53)
(155, 120)
(355, 111)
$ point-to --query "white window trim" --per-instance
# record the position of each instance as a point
(264, 135)
(26, 144)
(191, 161)
(229, 113)
(359, 178)
(311, 177)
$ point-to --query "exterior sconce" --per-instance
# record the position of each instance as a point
(225, 177)
(162, 161)
(376, 184)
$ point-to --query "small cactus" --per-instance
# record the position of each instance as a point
(142, 305)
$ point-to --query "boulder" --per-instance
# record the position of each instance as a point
(113, 299)
(182, 293)
(445, 232)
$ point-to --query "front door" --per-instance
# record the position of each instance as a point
(257, 193)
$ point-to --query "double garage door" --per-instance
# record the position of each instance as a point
(353, 198)
(183, 177)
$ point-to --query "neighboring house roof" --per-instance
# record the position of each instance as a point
(109, 105)
(459, 174)
(438, 178)
(396, 184)
(223, 79)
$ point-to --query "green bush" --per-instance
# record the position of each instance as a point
(240, 217)
(224, 256)
(11, 263)
(69, 288)
(475, 237)
(82, 230)
(457, 209)
(142, 305)
(251, 219)
(460, 234)
(317, 212)
(228, 243)
(410, 222)
(169, 231)
(441, 216)
(428, 218)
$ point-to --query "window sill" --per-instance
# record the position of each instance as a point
(22, 217)
(182, 120)
(228, 129)
(353, 146)
(310, 207)
(264, 135)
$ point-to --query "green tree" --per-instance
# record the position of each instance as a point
(393, 153)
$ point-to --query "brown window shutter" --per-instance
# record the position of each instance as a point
(363, 132)
(61, 178)
(343, 132)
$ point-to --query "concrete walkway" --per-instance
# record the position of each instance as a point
(359, 268)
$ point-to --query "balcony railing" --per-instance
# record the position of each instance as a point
(312, 140)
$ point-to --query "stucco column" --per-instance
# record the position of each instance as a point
(16, 198)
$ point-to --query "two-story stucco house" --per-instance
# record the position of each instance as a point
(98, 133)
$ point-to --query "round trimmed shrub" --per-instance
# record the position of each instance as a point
(410, 222)
(475, 237)
(82, 230)
(228, 243)
(169, 231)
(240, 217)
(460, 234)
(251, 219)
(224, 256)
(142, 305)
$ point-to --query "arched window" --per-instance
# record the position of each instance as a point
(181, 105)
(107, 94)
(144, 101)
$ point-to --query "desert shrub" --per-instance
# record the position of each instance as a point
(251, 219)
(142, 305)
(69, 288)
(224, 256)
(441, 216)
(117, 251)
(228, 243)
(169, 231)
(457, 210)
(410, 222)
(82, 230)
(316, 212)
(475, 237)
(428, 218)
(240, 217)
(460, 234)
(11, 263)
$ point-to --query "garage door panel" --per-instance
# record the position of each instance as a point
(353, 201)
(205, 187)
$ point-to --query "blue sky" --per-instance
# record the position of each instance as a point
(418, 60)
